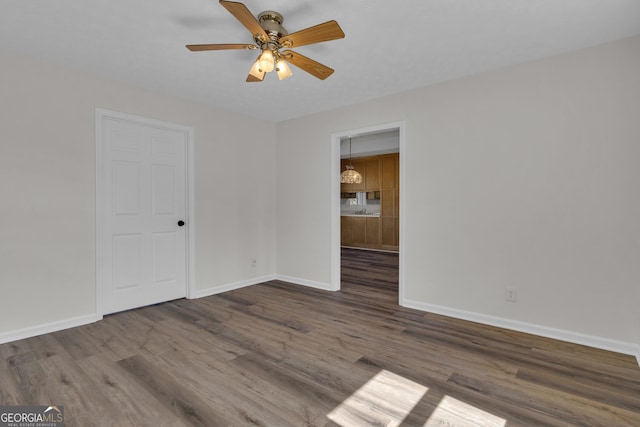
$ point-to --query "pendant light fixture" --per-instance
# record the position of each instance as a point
(350, 175)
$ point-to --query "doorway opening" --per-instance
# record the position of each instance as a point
(367, 217)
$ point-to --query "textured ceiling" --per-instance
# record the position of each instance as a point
(389, 47)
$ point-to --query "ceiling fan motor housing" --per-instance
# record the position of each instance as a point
(271, 21)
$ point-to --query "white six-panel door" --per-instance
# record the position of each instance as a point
(142, 220)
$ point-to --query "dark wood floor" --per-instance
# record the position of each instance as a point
(278, 354)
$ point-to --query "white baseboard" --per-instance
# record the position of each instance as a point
(530, 328)
(569, 336)
(91, 318)
(46, 328)
(237, 285)
(201, 293)
(305, 282)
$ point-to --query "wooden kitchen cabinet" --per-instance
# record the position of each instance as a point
(372, 174)
(346, 230)
(390, 202)
(380, 174)
(390, 233)
(358, 230)
(372, 232)
(369, 168)
(390, 168)
(388, 199)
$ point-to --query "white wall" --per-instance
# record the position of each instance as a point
(524, 177)
(47, 183)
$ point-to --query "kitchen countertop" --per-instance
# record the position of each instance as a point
(375, 215)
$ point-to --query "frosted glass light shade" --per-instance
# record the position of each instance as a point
(255, 70)
(283, 69)
(266, 61)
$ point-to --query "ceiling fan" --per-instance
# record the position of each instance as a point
(271, 38)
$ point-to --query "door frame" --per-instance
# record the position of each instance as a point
(335, 200)
(102, 114)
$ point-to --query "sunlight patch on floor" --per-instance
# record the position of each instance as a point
(453, 412)
(386, 399)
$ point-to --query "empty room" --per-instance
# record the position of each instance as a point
(300, 213)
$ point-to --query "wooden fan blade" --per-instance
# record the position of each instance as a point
(201, 47)
(251, 78)
(319, 33)
(245, 17)
(309, 65)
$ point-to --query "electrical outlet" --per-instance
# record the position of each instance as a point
(511, 294)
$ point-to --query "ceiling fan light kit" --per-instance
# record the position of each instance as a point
(271, 37)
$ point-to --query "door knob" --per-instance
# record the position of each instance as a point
(180, 223)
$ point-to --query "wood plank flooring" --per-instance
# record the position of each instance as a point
(278, 354)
